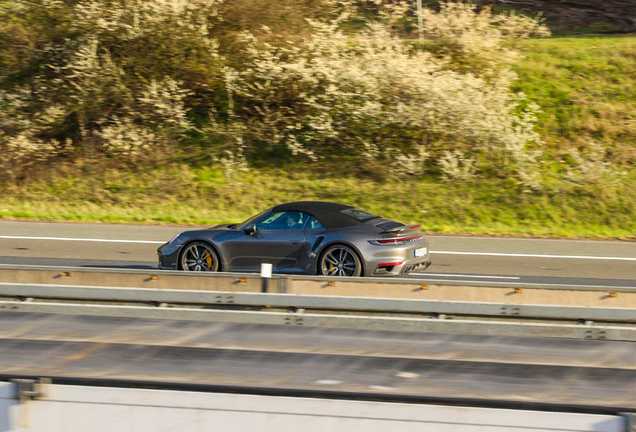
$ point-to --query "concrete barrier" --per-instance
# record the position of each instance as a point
(106, 409)
(397, 288)
(511, 293)
(159, 279)
(361, 322)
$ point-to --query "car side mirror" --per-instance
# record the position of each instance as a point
(250, 229)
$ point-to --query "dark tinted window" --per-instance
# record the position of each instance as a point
(314, 224)
(252, 219)
(283, 221)
(359, 215)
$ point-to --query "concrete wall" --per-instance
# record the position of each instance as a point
(529, 294)
(97, 409)
(160, 279)
(413, 290)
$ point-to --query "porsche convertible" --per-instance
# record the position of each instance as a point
(303, 238)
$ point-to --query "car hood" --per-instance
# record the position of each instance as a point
(223, 227)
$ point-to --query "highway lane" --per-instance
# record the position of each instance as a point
(586, 262)
(592, 373)
(324, 340)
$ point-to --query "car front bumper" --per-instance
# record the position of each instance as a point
(168, 255)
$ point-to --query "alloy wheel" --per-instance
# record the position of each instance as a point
(199, 257)
(340, 261)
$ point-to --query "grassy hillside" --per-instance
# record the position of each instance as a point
(586, 87)
(571, 17)
(578, 16)
(186, 195)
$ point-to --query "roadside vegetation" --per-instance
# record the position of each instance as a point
(185, 195)
(207, 111)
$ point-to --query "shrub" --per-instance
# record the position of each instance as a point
(123, 78)
(372, 95)
(109, 75)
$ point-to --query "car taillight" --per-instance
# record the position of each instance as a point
(397, 240)
(390, 264)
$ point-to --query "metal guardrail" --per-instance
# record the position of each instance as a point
(151, 278)
(384, 305)
(171, 306)
(457, 326)
(509, 293)
(69, 273)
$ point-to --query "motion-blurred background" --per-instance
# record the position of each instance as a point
(492, 117)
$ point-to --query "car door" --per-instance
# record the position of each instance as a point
(278, 240)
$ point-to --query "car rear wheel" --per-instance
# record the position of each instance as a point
(199, 256)
(340, 260)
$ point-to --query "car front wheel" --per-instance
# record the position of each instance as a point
(199, 256)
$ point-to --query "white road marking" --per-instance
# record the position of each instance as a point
(466, 276)
(408, 375)
(81, 239)
(533, 255)
(328, 382)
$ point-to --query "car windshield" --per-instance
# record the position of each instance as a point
(359, 215)
(251, 220)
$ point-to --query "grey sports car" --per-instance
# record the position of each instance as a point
(303, 238)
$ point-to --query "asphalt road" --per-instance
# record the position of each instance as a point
(585, 262)
(291, 359)
(590, 373)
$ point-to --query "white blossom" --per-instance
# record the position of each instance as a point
(409, 104)
(591, 166)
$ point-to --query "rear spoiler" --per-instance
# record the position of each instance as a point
(403, 229)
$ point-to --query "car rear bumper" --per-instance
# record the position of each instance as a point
(398, 260)
(405, 268)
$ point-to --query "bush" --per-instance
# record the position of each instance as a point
(127, 78)
(105, 75)
(374, 96)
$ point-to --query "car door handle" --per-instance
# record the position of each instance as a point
(294, 242)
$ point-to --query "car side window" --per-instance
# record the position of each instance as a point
(314, 224)
(283, 221)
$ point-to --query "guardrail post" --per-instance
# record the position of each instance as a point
(630, 421)
(266, 274)
(26, 390)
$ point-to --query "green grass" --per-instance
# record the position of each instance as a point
(585, 85)
(200, 196)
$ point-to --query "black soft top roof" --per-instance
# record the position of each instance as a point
(327, 213)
